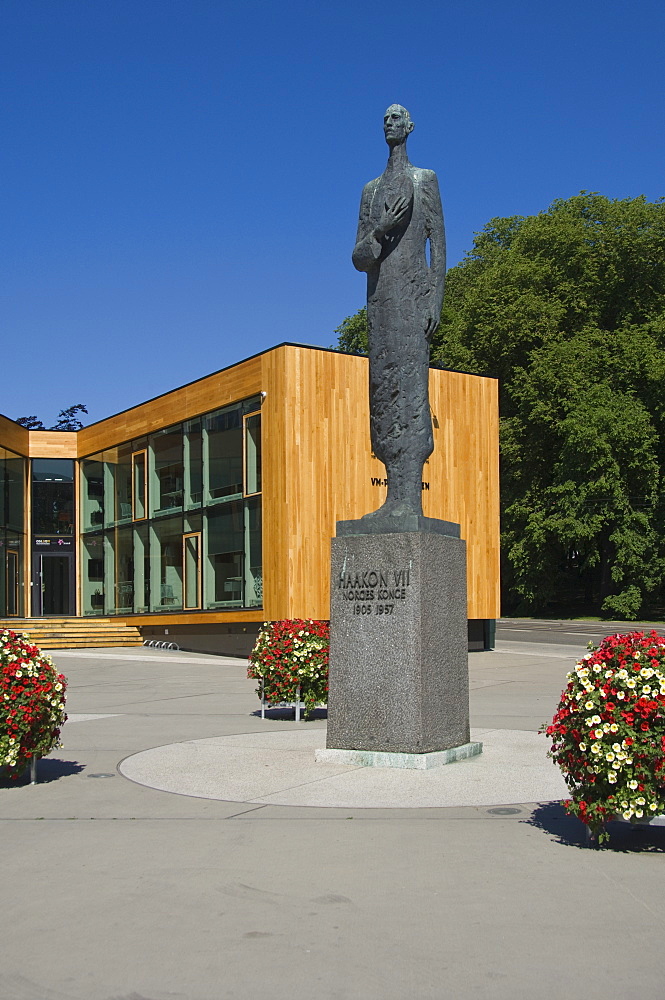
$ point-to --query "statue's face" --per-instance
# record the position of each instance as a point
(396, 125)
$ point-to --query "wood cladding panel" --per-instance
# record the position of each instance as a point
(210, 393)
(53, 444)
(14, 437)
(318, 469)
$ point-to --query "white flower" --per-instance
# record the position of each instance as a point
(588, 706)
(609, 673)
(606, 727)
(653, 806)
(609, 756)
(632, 783)
(627, 814)
(597, 668)
(614, 728)
(622, 674)
(596, 720)
(646, 672)
(616, 747)
(19, 673)
(639, 813)
(620, 695)
(646, 690)
(596, 748)
(641, 801)
(616, 765)
(611, 777)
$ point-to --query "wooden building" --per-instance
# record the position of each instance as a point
(208, 510)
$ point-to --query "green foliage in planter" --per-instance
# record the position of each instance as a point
(290, 654)
(32, 703)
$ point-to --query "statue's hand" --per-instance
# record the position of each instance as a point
(391, 216)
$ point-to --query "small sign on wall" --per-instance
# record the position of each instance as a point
(46, 543)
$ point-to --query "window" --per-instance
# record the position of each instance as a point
(191, 562)
(166, 564)
(252, 438)
(92, 493)
(224, 571)
(52, 496)
(139, 485)
(168, 473)
(223, 457)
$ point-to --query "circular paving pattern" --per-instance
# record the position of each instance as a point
(278, 768)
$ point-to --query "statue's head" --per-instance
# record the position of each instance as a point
(397, 125)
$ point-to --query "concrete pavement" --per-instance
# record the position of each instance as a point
(114, 890)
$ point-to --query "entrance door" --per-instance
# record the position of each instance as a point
(12, 582)
(54, 585)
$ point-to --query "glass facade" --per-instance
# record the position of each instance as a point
(13, 475)
(172, 521)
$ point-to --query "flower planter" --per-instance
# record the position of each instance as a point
(608, 733)
(290, 662)
(32, 705)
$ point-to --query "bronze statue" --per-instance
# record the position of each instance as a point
(400, 211)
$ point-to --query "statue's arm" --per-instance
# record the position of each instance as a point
(435, 232)
(368, 248)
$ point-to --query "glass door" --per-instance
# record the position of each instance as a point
(191, 564)
(12, 582)
(54, 585)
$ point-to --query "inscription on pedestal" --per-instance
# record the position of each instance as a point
(375, 591)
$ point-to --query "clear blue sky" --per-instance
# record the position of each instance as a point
(180, 178)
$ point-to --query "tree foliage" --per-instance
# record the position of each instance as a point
(67, 420)
(352, 333)
(567, 309)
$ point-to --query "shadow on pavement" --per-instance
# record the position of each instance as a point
(289, 714)
(50, 769)
(626, 837)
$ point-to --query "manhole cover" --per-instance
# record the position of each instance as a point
(101, 775)
(504, 811)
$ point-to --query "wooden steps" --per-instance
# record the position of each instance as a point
(75, 633)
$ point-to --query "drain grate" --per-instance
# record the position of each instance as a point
(102, 774)
(504, 811)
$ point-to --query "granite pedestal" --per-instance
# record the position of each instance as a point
(398, 640)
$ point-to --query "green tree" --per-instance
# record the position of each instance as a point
(567, 308)
(68, 420)
(352, 333)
